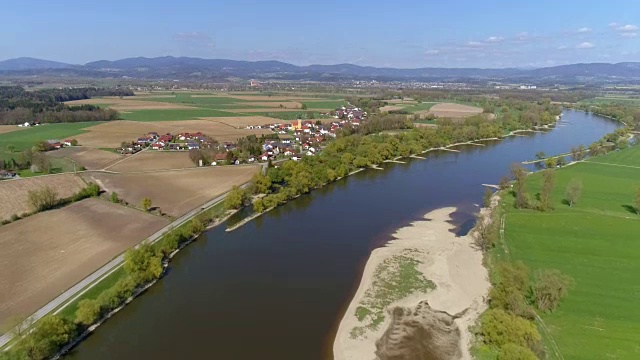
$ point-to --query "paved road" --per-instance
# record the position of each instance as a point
(90, 280)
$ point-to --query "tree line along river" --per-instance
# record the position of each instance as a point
(277, 287)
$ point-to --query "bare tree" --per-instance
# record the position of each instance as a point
(573, 191)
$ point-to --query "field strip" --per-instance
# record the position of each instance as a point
(620, 165)
(87, 283)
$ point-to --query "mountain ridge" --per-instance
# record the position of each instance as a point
(198, 68)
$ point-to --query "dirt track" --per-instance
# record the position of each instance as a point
(49, 252)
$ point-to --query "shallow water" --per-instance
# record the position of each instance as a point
(277, 287)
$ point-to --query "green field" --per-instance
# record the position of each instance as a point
(420, 107)
(330, 104)
(287, 115)
(596, 243)
(24, 139)
(174, 114)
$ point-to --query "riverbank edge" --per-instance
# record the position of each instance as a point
(141, 289)
(466, 316)
(394, 160)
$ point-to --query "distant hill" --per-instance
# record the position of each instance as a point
(27, 63)
(188, 68)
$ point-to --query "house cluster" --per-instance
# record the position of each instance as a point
(57, 144)
(29, 124)
(181, 141)
(350, 113)
(6, 174)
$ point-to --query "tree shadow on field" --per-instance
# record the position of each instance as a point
(630, 209)
(566, 202)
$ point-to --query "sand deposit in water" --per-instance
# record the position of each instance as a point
(427, 320)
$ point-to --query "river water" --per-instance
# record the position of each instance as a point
(277, 287)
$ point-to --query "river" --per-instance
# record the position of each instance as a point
(277, 287)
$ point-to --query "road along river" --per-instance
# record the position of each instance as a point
(277, 287)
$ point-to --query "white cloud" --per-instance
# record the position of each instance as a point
(494, 39)
(585, 45)
(562, 47)
(432, 52)
(475, 44)
(627, 31)
(583, 30)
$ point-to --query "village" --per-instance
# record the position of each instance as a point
(291, 140)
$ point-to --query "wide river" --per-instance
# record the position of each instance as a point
(277, 287)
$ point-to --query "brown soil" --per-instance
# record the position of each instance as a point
(128, 104)
(243, 121)
(175, 192)
(90, 158)
(419, 333)
(391, 108)
(452, 110)
(47, 253)
(154, 160)
(14, 193)
(10, 128)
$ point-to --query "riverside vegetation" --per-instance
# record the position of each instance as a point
(520, 298)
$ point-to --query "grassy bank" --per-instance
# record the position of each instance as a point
(595, 243)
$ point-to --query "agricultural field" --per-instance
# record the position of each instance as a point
(174, 114)
(129, 104)
(14, 193)
(174, 192)
(451, 110)
(90, 158)
(27, 137)
(63, 246)
(152, 160)
(9, 128)
(595, 243)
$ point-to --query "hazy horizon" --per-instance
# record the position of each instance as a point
(409, 34)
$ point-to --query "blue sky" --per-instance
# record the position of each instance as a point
(451, 33)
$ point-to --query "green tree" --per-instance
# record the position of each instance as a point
(540, 155)
(550, 163)
(516, 352)
(258, 206)
(88, 311)
(573, 191)
(114, 197)
(143, 264)
(549, 287)
(235, 199)
(146, 204)
(498, 328)
(261, 184)
(519, 175)
(304, 106)
(47, 337)
(11, 148)
(74, 142)
(547, 189)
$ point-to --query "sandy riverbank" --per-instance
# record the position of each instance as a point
(441, 316)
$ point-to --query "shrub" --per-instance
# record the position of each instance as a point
(88, 311)
(114, 197)
(44, 199)
(146, 204)
(91, 190)
(498, 328)
(515, 352)
(143, 264)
